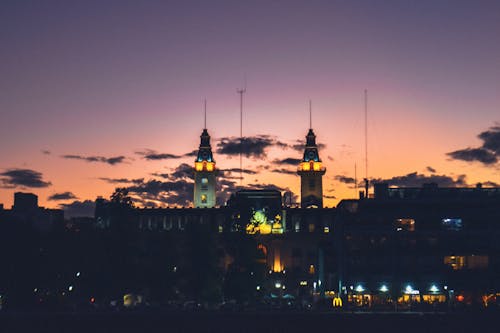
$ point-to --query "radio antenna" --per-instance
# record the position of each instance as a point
(241, 92)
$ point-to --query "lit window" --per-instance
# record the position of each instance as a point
(317, 166)
(210, 166)
(405, 224)
(204, 181)
(454, 224)
(311, 227)
(312, 270)
(455, 262)
(326, 230)
(203, 198)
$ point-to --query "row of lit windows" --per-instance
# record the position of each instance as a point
(408, 224)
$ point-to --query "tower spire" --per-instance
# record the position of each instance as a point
(205, 111)
(310, 115)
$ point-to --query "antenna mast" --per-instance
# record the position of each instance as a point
(205, 111)
(366, 143)
(241, 92)
(355, 179)
(310, 114)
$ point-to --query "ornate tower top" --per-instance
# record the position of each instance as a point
(311, 160)
(204, 160)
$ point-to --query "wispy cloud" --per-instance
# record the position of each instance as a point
(109, 160)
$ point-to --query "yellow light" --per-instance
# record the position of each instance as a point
(210, 166)
(305, 166)
(317, 166)
(326, 230)
(198, 166)
(337, 302)
(303, 283)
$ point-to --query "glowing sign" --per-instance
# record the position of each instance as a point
(337, 302)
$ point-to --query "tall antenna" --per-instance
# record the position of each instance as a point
(205, 111)
(310, 115)
(366, 143)
(241, 92)
(355, 179)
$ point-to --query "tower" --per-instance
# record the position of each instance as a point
(311, 173)
(204, 174)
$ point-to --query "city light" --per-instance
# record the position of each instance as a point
(433, 289)
(384, 288)
(359, 288)
(277, 285)
(70, 288)
(258, 287)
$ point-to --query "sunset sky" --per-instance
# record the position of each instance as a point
(100, 94)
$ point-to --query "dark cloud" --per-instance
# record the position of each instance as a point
(161, 175)
(182, 171)
(234, 173)
(193, 153)
(474, 154)
(101, 159)
(79, 208)
(153, 155)
(46, 152)
(62, 196)
(417, 180)
(490, 184)
(288, 161)
(22, 177)
(267, 187)
(255, 146)
(300, 145)
(431, 169)
(329, 196)
(344, 179)
(178, 192)
(488, 153)
(285, 171)
(491, 139)
(122, 180)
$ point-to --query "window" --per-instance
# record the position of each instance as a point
(467, 262)
(204, 184)
(204, 198)
(311, 227)
(454, 224)
(312, 270)
(455, 262)
(405, 225)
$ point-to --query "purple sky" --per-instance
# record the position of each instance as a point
(109, 78)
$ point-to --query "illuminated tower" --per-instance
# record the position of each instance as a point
(311, 173)
(204, 174)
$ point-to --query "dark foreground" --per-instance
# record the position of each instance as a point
(250, 322)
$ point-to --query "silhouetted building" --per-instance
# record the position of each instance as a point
(26, 210)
